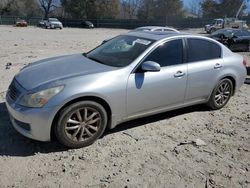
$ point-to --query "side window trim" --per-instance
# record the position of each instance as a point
(187, 48)
(163, 42)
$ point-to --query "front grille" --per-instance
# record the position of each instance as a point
(13, 92)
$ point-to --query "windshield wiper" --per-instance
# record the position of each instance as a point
(94, 59)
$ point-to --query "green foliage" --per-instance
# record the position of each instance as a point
(83, 9)
(20, 8)
(160, 9)
(221, 8)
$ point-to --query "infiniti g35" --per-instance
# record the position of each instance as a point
(130, 76)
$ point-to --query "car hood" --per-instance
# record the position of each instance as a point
(57, 69)
(56, 22)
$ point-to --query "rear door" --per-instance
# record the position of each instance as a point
(204, 59)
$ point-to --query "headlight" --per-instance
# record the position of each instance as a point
(39, 99)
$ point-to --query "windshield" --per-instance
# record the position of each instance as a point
(223, 31)
(53, 19)
(241, 33)
(120, 51)
(142, 29)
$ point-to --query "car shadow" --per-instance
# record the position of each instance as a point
(14, 144)
(154, 118)
(247, 81)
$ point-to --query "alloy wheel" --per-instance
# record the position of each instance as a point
(223, 93)
(82, 124)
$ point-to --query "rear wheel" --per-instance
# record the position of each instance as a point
(247, 47)
(81, 124)
(221, 94)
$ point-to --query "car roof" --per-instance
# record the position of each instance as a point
(154, 27)
(150, 27)
(155, 35)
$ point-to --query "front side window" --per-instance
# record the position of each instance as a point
(167, 54)
(201, 50)
(120, 51)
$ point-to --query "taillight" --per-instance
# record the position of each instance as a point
(245, 62)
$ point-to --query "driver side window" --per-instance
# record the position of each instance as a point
(167, 54)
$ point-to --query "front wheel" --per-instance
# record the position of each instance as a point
(81, 124)
(212, 30)
(221, 94)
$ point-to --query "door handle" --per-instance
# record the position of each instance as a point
(179, 74)
(217, 66)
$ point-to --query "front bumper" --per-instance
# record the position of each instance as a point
(34, 123)
(54, 26)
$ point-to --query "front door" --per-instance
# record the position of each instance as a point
(149, 92)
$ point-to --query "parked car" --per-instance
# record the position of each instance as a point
(225, 23)
(41, 23)
(130, 76)
(87, 24)
(235, 39)
(21, 23)
(156, 28)
(53, 23)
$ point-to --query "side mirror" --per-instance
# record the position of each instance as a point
(150, 66)
(103, 42)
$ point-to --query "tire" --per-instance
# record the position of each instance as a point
(212, 30)
(75, 132)
(246, 48)
(219, 97)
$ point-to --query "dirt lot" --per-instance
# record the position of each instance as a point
(141, 153)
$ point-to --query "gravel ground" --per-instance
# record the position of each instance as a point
(142, 153)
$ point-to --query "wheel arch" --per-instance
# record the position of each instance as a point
(78, 99)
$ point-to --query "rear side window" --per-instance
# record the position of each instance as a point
(200, 50)
(169, 53)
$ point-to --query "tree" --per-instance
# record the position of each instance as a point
(221, 8)
(209, 9)
(161, 9)
(19, 8)
(194, 7)
(174, 9)
(229, 8)
(86, 9)
(107, 8)
(48, 6)
(146, 10)
(5, 6)
(130, 7)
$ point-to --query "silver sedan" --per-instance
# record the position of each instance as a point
(133, 75)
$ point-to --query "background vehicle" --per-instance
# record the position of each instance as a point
(228, 22)
(130, 76)
(235, 39)
(225, 23)
(53, 23)
(155, 28)
(87, 24)
(41, 23)
(21, 23)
